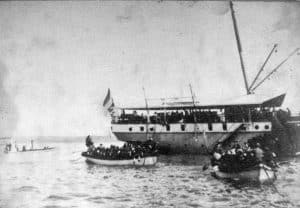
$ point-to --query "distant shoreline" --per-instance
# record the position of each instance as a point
(58, 139)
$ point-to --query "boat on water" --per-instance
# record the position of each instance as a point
(38, 149)
(140, 161)
(261, 174)
(130, 154)
(181, 125)
(9, 148)
(30, 150)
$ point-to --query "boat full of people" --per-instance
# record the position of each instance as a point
(251, 163)
(261, 174)
(130, 154)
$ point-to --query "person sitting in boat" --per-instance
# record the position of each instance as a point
(234, 160)
(259, 153)
(149, 147)
(6, 149)
(215, 161)
(129, 150)
(16, 147)
(89, 143)
(246, 146)
(217, 155)
(269, 158)
(31, 142)
(243, 158)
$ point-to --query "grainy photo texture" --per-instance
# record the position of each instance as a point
(149, 104)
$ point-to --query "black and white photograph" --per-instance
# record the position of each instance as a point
(149, 103)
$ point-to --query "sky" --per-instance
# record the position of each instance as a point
(58, 58)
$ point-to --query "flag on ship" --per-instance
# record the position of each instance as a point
(108, 103)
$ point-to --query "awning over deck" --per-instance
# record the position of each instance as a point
(252, 100)
(256, 100)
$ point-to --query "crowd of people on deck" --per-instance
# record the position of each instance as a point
(182, 116)
(129, 150)
(240, 158)
(229, 114)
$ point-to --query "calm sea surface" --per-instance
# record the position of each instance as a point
(61, 178)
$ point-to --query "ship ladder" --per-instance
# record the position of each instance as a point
(281, 131)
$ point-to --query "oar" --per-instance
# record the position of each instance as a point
(76, 159)
(205, 166)
(76, 151)
(274, 187)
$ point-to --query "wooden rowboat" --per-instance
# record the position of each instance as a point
(143, 161)
(261, 174)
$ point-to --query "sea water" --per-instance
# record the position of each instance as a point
(62, 178)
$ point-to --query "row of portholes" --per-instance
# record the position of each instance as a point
(210, 127)
(168, 127)
(266, 127)
(142, 128)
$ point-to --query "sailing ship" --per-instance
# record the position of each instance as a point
(189, 126)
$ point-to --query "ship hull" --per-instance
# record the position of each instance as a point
(185, 142)
(190, 138)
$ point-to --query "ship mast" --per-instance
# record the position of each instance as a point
(262, 68)
(276, 68)
(148, 118)
(236, 32)
(194, 113)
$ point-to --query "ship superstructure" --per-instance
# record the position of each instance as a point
(192, 127)
(197, 128)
